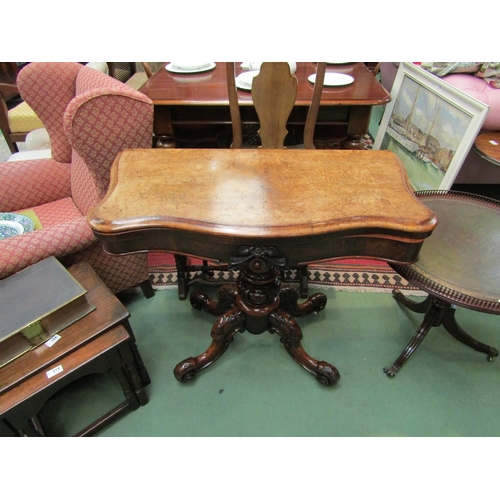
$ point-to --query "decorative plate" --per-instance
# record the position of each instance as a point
(14, 224)
(333, 79)
(244, 80)
(188, 68)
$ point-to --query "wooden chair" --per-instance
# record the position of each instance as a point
(274, 91)
(17, 119)
(131, 75)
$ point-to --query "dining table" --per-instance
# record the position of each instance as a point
(196, 104)
(261, 211)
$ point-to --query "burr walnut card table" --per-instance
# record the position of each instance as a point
(186, 101)
(261, 211)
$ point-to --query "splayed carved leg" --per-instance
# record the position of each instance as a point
(289, 302)
(437, 312)
(454, 329)
(226, 298)
(419, 307)
(416, 340)
(258, 303)
(223, 331)
(290, 334)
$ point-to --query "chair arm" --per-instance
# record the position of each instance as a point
(21, 251)
(26, 184)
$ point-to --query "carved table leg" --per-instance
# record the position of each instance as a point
(257, 303)
(226, 300)
(289, 302)
(223, 331)
(290, 334)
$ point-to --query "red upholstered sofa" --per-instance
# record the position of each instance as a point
(90, 117)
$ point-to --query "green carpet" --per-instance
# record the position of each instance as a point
(256, 389)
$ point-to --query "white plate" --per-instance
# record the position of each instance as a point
(339, 63)
(333, 79)
(10, 228)
(10, 222)
(244, 80)
(257, 65)
(190, 65)
(174, 68)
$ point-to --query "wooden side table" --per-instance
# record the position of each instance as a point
(487, 146)
(458, 266)
(103, 340)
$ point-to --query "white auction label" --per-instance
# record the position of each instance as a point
(52, 340)
(54, 371)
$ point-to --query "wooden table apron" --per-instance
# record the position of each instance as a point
(261, 210)
(183, 99)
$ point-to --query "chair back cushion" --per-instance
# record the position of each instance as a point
(105, 117)
(48, 88)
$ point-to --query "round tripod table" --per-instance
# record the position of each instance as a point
(487, 146)
(459, 265)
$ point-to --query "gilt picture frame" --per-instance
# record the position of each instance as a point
(430, 125)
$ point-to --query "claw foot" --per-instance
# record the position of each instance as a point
(391, 371)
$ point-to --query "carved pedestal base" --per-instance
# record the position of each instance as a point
(437, 312)
(257, 303)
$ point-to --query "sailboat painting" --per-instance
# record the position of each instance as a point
(430, 126)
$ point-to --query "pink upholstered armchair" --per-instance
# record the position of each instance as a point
(90, 117)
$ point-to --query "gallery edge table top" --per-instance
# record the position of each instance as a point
(210, 88)
(207, 202)
(261, 210)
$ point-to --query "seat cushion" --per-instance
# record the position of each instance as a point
(31, 155)
(38, 139)
(23, 119)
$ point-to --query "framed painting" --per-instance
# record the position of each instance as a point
(430, 125)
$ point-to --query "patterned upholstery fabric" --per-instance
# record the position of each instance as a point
(93, 118)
